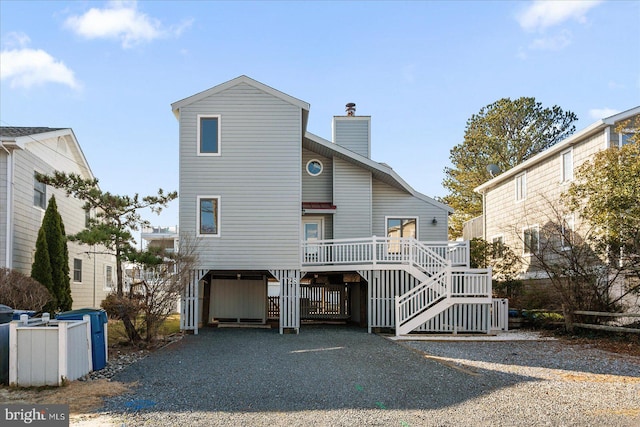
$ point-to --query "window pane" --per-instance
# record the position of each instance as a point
(39, 193)
(394, 228)
(625, 138)
(77, 270)
(408, 228)
(567, 166)
(208, 216)
(209, 135)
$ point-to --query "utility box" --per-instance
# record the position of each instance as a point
(43, 352)
(99, 343)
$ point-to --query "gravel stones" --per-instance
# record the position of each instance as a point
(331, 375)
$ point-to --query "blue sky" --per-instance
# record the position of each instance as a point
(110, 70)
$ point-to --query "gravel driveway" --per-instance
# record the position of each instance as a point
(339, 376)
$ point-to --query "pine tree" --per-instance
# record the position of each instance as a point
(41, 269)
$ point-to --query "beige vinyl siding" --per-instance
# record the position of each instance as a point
(353, 133)
(352, 197)
(28, 219)
(4, 158)
(392, 202)
(317, 188)
(257, 177)
(505, 216)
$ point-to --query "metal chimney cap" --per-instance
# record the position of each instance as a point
(351, 109)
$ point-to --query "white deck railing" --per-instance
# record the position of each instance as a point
(430, 256)
(449, 283)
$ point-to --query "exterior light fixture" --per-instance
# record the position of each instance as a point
(434, 221)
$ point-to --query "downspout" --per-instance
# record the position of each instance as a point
(9, 204)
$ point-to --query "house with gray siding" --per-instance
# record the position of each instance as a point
(23, 201)
(295, 228)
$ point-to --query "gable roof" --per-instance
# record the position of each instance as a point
(14, 137)
(234, 82)
(17, 131)
(379, 171)
(590, 130)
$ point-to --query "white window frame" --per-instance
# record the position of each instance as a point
(199, 216)
(77, 271)
(520, 181)
(199, 119)
(524, 240)
(566, 175)
(621, 135)
(401, 217)
(568, 221)
(321, 167)
(108, 285)
(42, 192)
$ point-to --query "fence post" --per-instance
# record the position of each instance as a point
(374, 250)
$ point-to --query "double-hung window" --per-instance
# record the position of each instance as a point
(209, 216)
(77, 270)
(39, 193)
(521, 186)
(531, 239)
(497, 247)
(566, 171)
(399, 228)
(208, 135)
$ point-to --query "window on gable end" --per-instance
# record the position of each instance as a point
(208, 135)
(77, 270)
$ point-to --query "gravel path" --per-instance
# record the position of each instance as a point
(337, 376)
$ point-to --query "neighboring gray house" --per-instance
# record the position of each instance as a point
(337, 235)
(23, 201)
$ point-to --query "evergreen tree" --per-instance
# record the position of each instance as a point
(41, 269)
(57, 255)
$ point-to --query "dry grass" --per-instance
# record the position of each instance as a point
(81, 396)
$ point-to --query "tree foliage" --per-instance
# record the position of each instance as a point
(51, 260)
(116, 218)
(504, 263)
(606, 193)
(505, 133)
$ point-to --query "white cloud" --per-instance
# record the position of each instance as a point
(542, 14)
(601, 113)
(121, 21)
(25, 67)
(556, 42)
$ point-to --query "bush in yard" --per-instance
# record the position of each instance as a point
(22, 292)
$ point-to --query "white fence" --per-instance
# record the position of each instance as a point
(49, 353)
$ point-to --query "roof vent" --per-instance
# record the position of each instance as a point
(351, 109)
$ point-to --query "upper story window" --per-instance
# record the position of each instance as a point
(625, 138)
(209, 216)
(531, 239)
(566, 171)
(208, 135)
(521, 186)
(39, 193)
(314, 167)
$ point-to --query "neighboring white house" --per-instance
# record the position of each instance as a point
(23, 201)
(337, 233)
(519, 202)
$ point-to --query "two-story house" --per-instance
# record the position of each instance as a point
(519, 202)
(338, 235)
(23, 201)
